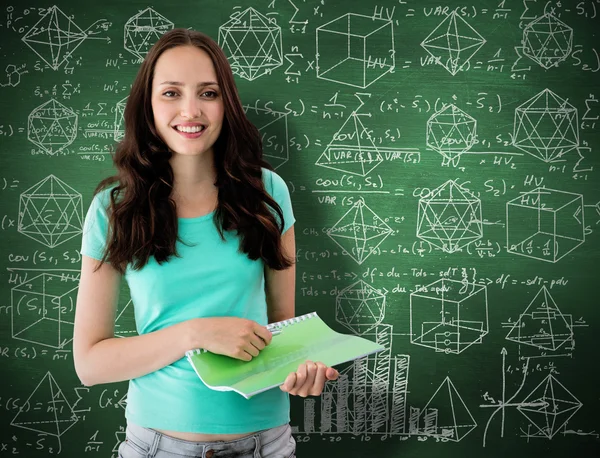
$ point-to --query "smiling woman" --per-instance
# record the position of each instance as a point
(201, 228)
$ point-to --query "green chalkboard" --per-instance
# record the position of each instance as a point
(443, 165)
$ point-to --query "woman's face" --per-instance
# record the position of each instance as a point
(186, 100)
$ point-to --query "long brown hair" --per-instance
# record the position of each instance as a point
(142, 214)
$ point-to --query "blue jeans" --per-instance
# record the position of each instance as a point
(143, 442)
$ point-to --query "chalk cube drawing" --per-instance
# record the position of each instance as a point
(54, 37)
(450, 217)
(451, 132)
(359, 232)
(351, 150)
(449, 316)
(143, 30)
(549, 407)
(355, 50)
(542, 324)
(252, 43)
(50, 212)
(52, 126)
(273, 128)
(546, 126)
(547, 40)
(43, 309)
(453, 43)
(47, 410)
(119, 128)
(545, 224)
(360, 307)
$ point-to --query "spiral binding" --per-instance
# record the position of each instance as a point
(277, 326)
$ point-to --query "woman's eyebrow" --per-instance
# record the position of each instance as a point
(178, 83)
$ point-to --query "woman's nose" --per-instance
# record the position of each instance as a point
(191, 108)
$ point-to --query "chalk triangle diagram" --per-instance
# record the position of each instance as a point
(542, 324)
(46, 410)
(125, 320)
(351, 149)
(452, 420)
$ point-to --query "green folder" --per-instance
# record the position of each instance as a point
(306, 337)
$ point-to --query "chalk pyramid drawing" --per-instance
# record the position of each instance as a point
(351, 150)
(549, 407)
(542, 324)
(46, 410)
(447, 414)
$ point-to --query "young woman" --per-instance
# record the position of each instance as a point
(202, 230)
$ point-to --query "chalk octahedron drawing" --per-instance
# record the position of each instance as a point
(453, 43)
(355, 50)
(50, 212)
(52, 126)
(449, 316)
(546, 126)
(450, 217)
(360, 307)
(351, 149)
(273, 128)
(143, 30)
(549, 407)
(451, 132)
(545, 224)
(46, 410)
(359, 232)
(252, 43)
(54, 37)
(542, 324)
(547, 40)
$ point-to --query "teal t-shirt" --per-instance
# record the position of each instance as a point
(211, 278)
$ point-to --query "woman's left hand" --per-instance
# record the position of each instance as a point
(309, 379)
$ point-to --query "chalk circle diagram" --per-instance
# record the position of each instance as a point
(451, 132)
(453, 43)
(360, 307)
(52, 127)
(547, 41)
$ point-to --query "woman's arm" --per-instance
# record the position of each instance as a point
(281, 284)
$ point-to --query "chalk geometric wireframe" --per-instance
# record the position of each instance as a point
(542, 324)
(545, 224)
(52, 126)
(119, 128)
(143, 30)
(252, 42)
(549, 407)
(351, 149)
(450, 217)
(46, 410)
(451, 132)
(453, 43)
(446, 415)
(125, 320)
(547, 40)
(355, 50)
(360, 307)
(546, 126)
(359, 232)
(273, 128)
(54, 37)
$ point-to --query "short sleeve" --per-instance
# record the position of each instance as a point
(95, 226)
(277, 188)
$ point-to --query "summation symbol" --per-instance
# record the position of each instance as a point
(360, 307)
(252, 43)
(450, 217)
(451, 132)
(54, 37)
(542, 324)
(546, 126)
(273, 128)
(547, 40)
(352, 149)
(359, 232)
(453, 43)
(143, 30)
(52, 126)
(50, 212)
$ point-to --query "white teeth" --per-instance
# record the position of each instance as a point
(190, 130)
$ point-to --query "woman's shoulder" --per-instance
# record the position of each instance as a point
(272, 181)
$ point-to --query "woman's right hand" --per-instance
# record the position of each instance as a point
(238, 338)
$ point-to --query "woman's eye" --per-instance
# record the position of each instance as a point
(210, 94)
(169, 93)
